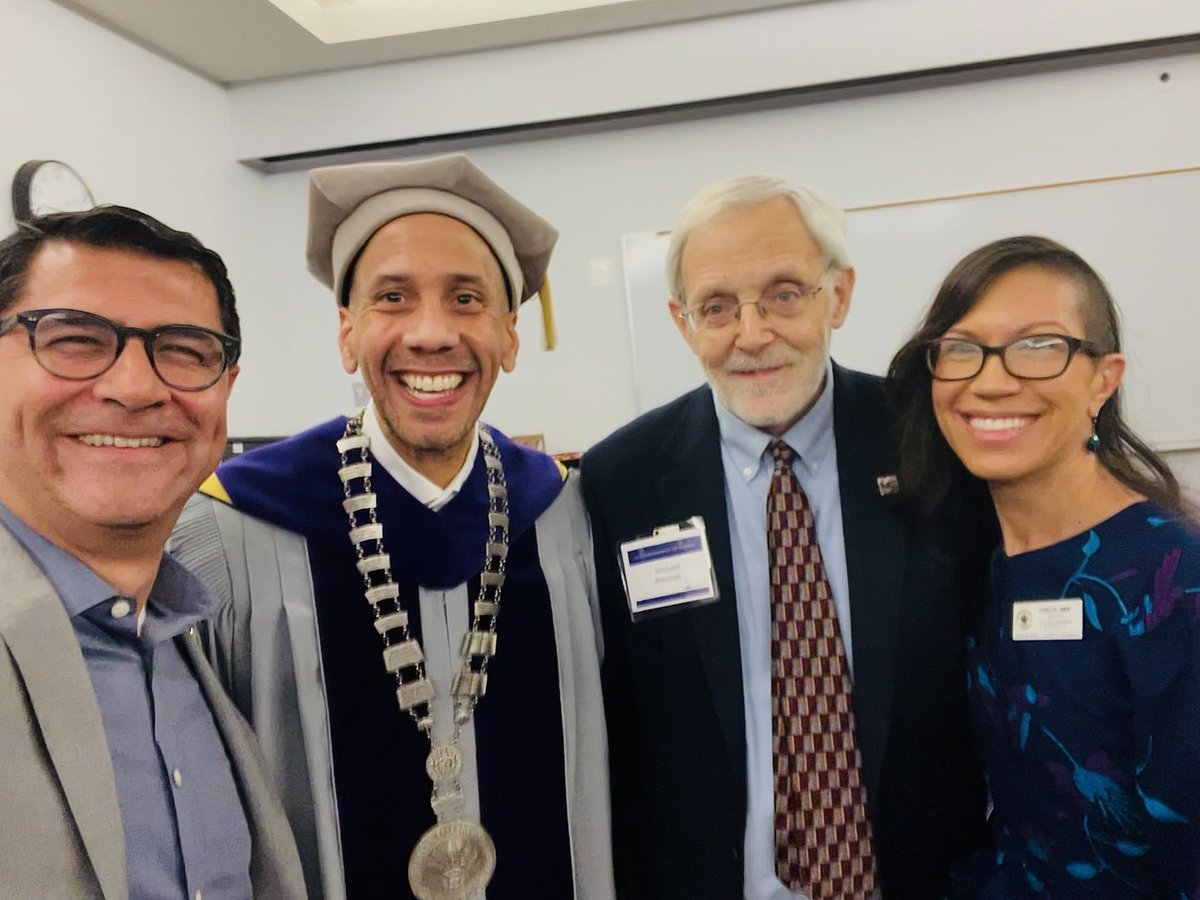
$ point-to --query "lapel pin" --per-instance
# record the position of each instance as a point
(888, 485)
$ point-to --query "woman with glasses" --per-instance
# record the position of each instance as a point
(1085, 672)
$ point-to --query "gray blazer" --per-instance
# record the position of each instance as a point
(60, 829)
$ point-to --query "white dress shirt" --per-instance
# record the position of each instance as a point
(432, 495)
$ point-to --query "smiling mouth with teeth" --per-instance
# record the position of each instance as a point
(1004, 424)
(431, 384)
(117, 440)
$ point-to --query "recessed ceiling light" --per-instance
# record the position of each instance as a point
(338, 21)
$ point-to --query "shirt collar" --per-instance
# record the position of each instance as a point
(432, 495)
(178, 598)
(79, 587)
(811, 437)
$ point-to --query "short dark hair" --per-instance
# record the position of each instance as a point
(112, 228)
(927, 464)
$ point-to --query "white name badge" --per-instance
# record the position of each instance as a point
(670, 567)
(1048, 620)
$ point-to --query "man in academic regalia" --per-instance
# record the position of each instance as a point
(408, 620)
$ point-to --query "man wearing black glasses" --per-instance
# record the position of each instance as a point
(784, 637)
(127, 772)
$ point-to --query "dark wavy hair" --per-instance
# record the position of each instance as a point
(927, 464)
(113, 228)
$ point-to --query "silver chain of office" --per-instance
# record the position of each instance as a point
(454, 858)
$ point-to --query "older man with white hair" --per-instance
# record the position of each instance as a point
(784, 636)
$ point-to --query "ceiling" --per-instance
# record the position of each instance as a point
(232, 41)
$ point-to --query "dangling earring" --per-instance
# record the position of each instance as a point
(1093, 443)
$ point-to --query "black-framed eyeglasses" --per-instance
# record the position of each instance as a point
(1034, 357)
(783, 301)
(78, 345)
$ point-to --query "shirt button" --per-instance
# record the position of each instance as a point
(120, 609)
(177, 777)
(747, 471)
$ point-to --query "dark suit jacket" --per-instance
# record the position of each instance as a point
(673, 684)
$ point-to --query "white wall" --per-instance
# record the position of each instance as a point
(146, 133)
(803, 45)
(1020, 131)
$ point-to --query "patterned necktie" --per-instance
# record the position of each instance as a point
(822, 835)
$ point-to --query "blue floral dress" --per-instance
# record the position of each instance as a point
(1091, 746)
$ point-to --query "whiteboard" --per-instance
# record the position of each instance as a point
(1141, 233)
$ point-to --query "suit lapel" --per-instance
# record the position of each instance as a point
(37, 630)
(876, 542)
(234, 738)
(274, 864)
(876, 551)
(694, 485)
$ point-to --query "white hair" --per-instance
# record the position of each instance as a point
(824, 220)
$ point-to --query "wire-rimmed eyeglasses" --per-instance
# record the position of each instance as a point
(785, 300)
(1034, 357)
(78, 345)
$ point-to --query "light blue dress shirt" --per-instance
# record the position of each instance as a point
(748, 468)
(186, 834)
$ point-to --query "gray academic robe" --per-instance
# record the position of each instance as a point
(266, 648)
(60, 830)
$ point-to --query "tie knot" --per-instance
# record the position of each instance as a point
(782, 453)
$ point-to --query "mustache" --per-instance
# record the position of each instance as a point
(771, 358)
(462, 360)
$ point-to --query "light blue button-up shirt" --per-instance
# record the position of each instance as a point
(748, 468)
(186, 834)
